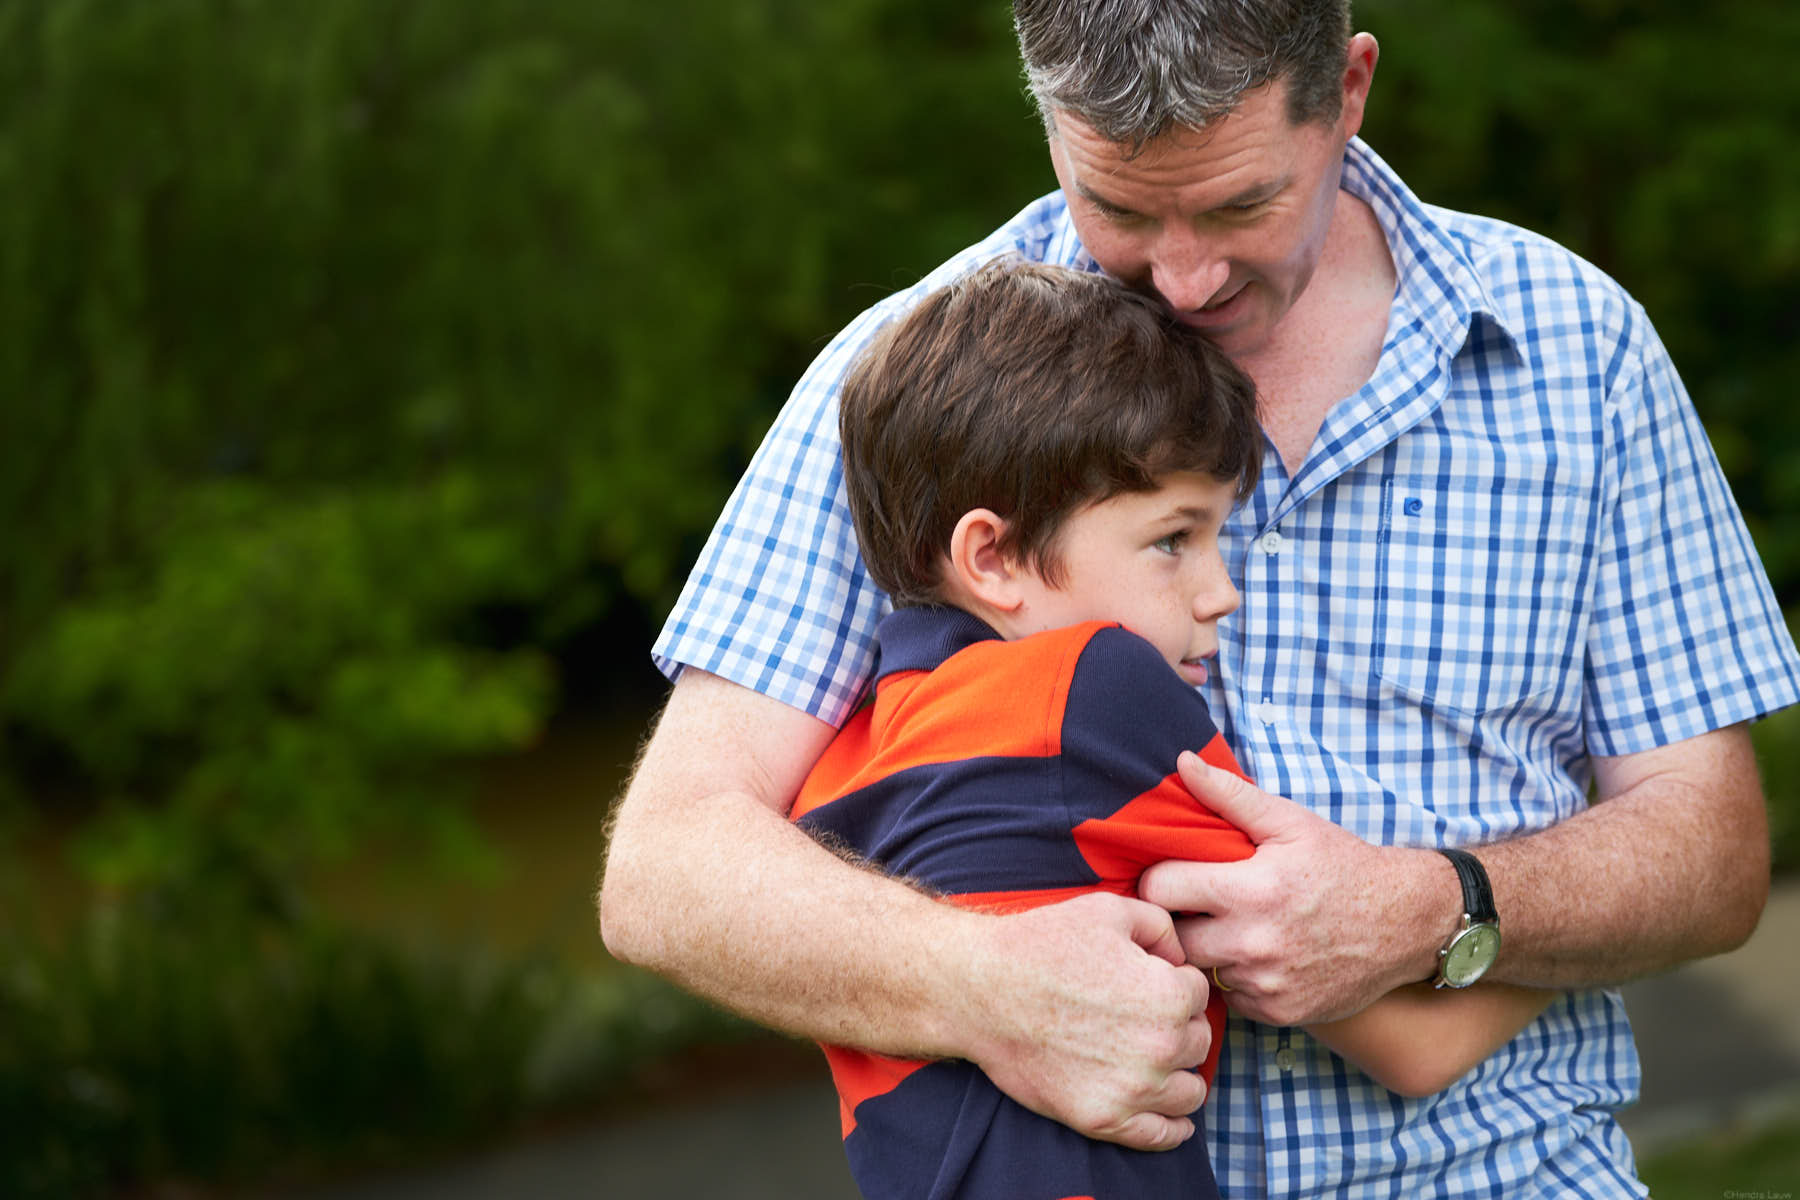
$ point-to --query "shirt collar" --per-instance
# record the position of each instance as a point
(920, 638)
(1437, 280)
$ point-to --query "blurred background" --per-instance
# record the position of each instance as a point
(370, 373)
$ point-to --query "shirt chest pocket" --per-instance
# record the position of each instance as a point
(1477, 590)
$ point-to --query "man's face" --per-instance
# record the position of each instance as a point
(1225, 225)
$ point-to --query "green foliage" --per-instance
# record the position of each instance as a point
(363, 354)
(175, 1039)
(1777, 741)
(1759, 1158)
(371, 350)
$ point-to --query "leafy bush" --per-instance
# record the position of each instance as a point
(363, 355)
(370, 351)
(174, 1039)
(1777, 741)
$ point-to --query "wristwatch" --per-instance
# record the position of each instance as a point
(1475, 945)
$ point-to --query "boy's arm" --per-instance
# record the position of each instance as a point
(1419, 1039)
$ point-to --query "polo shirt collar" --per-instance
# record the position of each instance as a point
(921, 637)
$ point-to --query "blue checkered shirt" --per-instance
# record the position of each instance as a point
(1510, 550)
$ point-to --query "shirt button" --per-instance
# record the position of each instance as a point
(1265, 711)
(1284, 1058)
(1271, 541)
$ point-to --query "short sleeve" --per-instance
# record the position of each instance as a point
(779, 600)
(1128, 717)
(1686, 636)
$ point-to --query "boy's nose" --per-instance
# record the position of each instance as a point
(1218, 598)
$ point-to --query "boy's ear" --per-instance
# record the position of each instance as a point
(978, 567)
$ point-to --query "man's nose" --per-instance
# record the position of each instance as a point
(1186, 271)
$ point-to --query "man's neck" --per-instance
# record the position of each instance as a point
(1329, 343)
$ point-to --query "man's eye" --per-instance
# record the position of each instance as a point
(1171, 544)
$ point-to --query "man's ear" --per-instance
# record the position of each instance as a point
(1359, 76)
(978, 566)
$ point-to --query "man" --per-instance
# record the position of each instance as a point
(1490, 562)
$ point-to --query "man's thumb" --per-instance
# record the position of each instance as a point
(1231, 796)
(1154, 931)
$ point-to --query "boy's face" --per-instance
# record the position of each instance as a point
(1148, 560)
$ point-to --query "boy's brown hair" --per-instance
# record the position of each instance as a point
(1033, 391)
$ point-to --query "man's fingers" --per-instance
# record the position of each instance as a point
(1184, 887)
(1116, 1020)
(1184, 1092)
(1149, 1131)
(1154, 929)
(1216, 888)
(1233, 797)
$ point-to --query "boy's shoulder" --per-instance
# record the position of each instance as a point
(1122, 682)
(1101, 654)
(1092, 675)
(942, 668)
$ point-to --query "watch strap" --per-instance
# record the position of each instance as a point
(1478, 894)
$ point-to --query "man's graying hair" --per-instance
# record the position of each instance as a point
(1131, 69)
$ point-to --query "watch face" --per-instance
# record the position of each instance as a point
(1471, 954)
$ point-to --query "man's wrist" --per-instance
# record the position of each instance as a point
(1433, 910)
(956, 991)
(1475, 942)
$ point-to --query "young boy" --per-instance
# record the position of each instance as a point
(1038, 462)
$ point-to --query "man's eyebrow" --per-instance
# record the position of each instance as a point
(1096, 199)
(1256, 193)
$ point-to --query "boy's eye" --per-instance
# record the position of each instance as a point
(1171, 544)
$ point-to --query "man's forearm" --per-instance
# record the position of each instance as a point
(720, 893)
(1672, 865)
(755, 916)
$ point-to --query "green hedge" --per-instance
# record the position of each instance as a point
(364, 355)
(369, 351)
(164, 1042)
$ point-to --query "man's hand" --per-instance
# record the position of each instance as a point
(1318, 923)
(1093, 1020)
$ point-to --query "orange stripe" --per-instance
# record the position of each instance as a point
(1165, 822)
(955, 717)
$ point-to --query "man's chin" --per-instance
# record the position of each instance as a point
(1235, 327)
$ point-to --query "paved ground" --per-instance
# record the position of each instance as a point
(1720, 1041)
